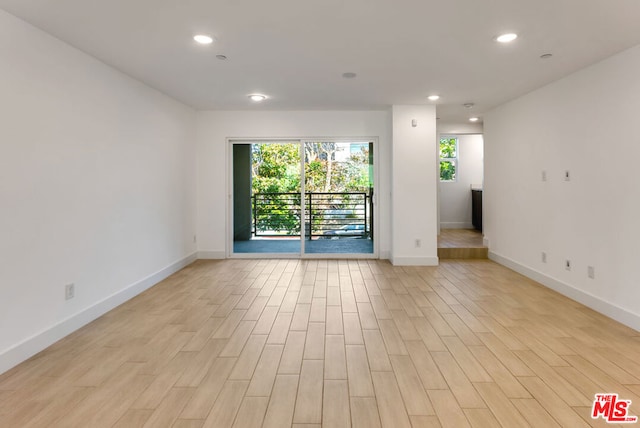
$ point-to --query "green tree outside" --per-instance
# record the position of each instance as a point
(276, 182)
(448, 155)
(328, 169)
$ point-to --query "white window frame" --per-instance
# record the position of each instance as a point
(454, 161)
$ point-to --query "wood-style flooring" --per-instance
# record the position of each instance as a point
(310, 343)
(460, 238)
(461, 244)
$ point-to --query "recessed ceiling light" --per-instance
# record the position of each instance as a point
(468, 105)
(203, 39)
(546, 56)
(257, 97)
(221, 57)
(349, 75)
(473, 119)
(506, 38)
(434, 97)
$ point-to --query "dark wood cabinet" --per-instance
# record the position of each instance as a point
(476, 209)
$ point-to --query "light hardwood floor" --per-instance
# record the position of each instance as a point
(460, 238)
(308, 343)
(461, 244)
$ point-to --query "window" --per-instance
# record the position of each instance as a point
(448, 158)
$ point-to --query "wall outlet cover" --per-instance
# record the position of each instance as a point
(69, 291)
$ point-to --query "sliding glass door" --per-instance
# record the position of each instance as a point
(302, 198)
(266, 198)
(338, 190)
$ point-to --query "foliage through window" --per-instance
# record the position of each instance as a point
(448, 158)
(331, 168)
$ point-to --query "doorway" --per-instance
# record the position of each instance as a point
(304, 198)
(460, 196)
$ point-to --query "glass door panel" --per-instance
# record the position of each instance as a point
(267, 208)
(338, 191)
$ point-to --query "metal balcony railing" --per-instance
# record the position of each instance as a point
(327, 215)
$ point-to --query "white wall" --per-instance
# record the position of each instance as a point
(214, 127)
(460, 128)
(96, 188)
(414, 212)
(455, 196)
(585, 123)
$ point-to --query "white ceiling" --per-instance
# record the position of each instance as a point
(295, 51)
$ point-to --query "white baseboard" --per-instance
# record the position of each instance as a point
(456, 225)
(385, 254)
(211, 255)
(31, 346)
(414, 261)
(617, 313)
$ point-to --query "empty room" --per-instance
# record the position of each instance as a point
(319, 214)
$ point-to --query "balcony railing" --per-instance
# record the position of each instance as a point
(327, 215)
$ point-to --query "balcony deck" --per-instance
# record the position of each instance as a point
(316, 246)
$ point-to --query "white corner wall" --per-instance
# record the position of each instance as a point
(455, 196)
(584, 124)
(414, 213)
(97, 188)
(215, 127)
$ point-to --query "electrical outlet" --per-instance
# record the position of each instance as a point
(567, 264)
(591, 272)
(544, 257)
(544, 175)
(69, 291)
(418, 243)
(567, 176)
